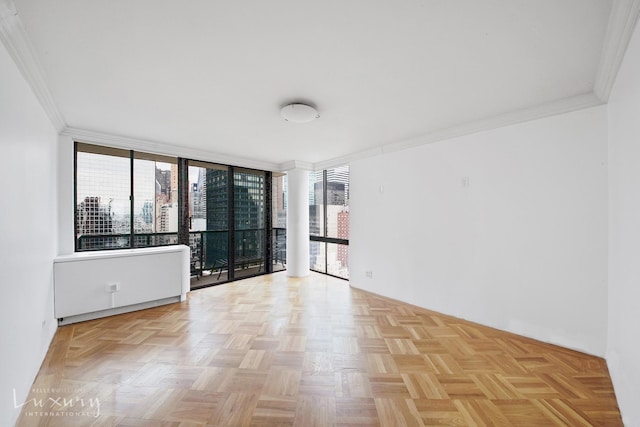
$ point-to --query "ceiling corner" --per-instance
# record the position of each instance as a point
(622, 22)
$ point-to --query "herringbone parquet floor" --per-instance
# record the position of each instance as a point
(275, 351)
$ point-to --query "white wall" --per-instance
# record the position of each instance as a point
(28, 236)
(623, 350)
(522, 248)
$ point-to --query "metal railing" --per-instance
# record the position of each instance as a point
(100, 242)
(209, 249)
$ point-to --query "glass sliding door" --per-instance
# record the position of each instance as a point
(227, 222)
(249, 195)
(209, 222)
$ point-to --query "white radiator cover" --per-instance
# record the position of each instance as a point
(97, 284)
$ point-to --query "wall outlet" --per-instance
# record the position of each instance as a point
(112, 287)
(369, 274)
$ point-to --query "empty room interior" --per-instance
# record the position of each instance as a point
(320, 213)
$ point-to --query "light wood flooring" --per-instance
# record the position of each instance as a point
(275, 351)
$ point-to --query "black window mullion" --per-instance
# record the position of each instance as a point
(231, 264)
(268, 223)
(131, 207)
(329, 240)
(326, 218)
(325, 215)
(183, 202)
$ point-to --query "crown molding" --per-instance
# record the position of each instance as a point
(343, 160)
(562, 106)
(295, 164)
(622, 21)
(15, 40)
(156, 147)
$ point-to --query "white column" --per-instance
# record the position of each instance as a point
(298, 223)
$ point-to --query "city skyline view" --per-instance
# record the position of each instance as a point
(104, 208)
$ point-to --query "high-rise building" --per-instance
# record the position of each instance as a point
(340, 175)
(279, 210)
(168, 218)
(173, 196)
(94, 217)
(147, 214)
(163, 179)
(336, 193)
(216, 199)
(343, 233)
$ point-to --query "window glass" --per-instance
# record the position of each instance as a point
(249, 220)
(279, 220)
(338, 260)
(338, 202)
(103, 207)
(155, 207)
(317, 258)
(316, 203)
(329, 221)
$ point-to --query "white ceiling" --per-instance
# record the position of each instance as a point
(211, 76)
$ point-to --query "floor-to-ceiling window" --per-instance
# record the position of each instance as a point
(279, 220)
(250, 210)
(234, 219)
(329, 221)
(209, 221)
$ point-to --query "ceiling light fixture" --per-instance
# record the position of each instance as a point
(299, 113)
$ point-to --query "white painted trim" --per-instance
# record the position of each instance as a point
(119, 253)
(550, 109)
(344, 160)
(295, 164)
(155, 147)
(15, 40)
(118, 310)
(622, 22)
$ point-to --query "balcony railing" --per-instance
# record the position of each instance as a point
(99, 242)
(209, 249)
